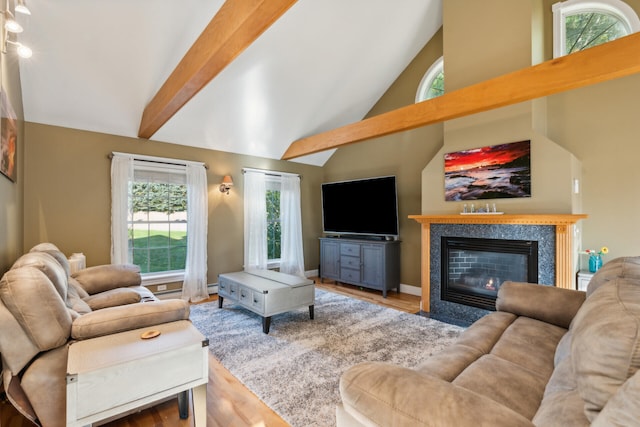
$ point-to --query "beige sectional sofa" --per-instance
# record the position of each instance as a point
(546, 357)
(43, 311)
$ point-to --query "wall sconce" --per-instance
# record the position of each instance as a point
(10, 25)
(227, 183)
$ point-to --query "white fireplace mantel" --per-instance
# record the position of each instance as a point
(564, 241)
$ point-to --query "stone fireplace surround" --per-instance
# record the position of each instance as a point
(554, 234)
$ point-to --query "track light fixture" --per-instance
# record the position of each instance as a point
(21, 7)
(23, 51)
(11, 26)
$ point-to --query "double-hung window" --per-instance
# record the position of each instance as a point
(274, 221)
(157, 228)
(159, 220)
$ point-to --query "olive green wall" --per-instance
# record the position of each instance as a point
(11, 193)
(67, 194)
(403, 155)
(586, 134)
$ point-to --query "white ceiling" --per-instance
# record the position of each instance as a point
(323, 64)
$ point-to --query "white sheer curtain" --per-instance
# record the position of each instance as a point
(255, 221)
(291, 253)
(194, 287)
(121, 209)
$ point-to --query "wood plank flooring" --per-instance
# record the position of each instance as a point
(229, 402)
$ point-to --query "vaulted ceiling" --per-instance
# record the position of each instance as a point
(323, 64)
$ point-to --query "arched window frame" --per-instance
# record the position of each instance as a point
(427, 80)
(617, 8)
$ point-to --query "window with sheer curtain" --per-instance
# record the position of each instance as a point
(159, 220)
(272, 222)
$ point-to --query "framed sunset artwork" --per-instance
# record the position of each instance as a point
(491, 172)
(8, 138)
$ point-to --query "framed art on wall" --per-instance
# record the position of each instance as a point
(8, 138)
(491, 172)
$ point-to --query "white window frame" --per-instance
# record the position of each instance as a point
(427, 80)
(169, 276)
(617, 8)
(274, 183)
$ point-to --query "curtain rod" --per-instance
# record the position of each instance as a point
(271, 173)
(154, 159)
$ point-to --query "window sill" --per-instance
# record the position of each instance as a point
(273, 264)
(162, 277)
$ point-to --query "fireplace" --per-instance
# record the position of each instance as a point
(553, 232)
(473, 269)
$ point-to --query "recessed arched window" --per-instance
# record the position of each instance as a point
(432, 84)
(581, 24)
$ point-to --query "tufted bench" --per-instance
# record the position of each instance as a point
(266, 292)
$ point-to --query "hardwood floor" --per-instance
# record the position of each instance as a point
(229, 402)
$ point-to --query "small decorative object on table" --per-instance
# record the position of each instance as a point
(595, 258)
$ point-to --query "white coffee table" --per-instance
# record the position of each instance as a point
(266, 292)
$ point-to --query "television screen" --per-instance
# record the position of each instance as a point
(363, 206)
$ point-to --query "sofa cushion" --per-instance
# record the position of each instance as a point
(31, 298)
(606, 340)
(112, 298)
(562, 405)
(623, 409)
(51, 249)
(49, 266)
(75, 303)
(494, 378)
(382, 394)
(476, 341)
(110, 276)
(628, 267)
(530, 343)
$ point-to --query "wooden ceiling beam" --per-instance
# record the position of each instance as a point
(237, 24)
(608, 61)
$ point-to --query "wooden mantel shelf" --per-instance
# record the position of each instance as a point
(524, 219)
(564, 241)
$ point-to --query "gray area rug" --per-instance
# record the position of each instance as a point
(295, 369)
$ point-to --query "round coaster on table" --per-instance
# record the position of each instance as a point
(150, 334)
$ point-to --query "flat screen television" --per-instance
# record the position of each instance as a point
(367, 207)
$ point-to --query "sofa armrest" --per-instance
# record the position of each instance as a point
(549, 304)
(112, 320)
(376, 393)
(106, 277)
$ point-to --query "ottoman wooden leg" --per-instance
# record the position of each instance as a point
(311, 312)
(266, 323)
(220, 299)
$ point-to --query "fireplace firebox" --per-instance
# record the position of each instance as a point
(473, 269)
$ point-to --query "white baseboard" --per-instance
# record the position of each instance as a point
(411, 290)
(212, 288)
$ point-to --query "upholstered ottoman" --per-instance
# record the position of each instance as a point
(266, 292)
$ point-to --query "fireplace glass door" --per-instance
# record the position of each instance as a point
(474, 269)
